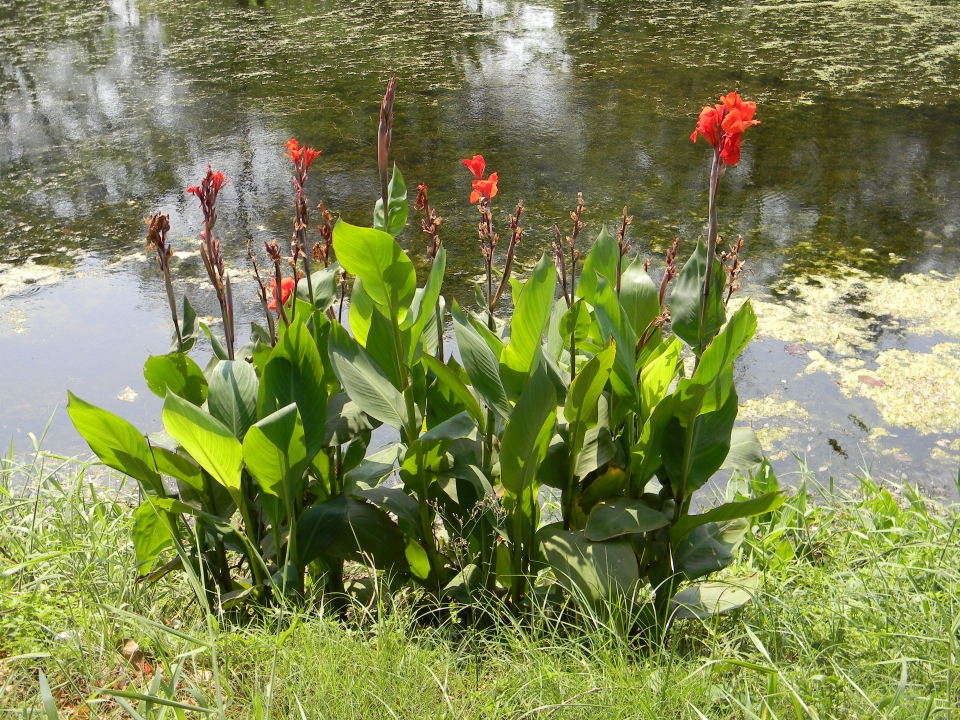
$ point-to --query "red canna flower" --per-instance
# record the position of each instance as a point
(476, 165)
(296, 153)
(194, 190)
(723, 125)
(286, 287)
(487, 189)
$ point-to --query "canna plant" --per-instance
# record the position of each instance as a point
(264, 482)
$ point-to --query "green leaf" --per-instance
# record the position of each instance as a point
(686, 300)
(581, 411)
(598, 450)
(480, 363)
(556, 343)
(623, 516)
(708, 548)
(345, 421)
(728, 511)
(745, 451)
(178, 374)
(449, 379)
(295, 374)
(592, 572)
(646, 454)
(656, 376)
(188, 329)
(233, 394)
(351, 530)
(459, 426)
(527, 434)
(382, 348)
(711, 382)
(116, 442)
(607, 486)
(46, 697)
(692, 455)
(639, 297)
(715, 598)
(360, 313)
(424, 311)
(364, 381)
(219, 351)
(177, 466)
(576, 321)
(614, 324)
(394, 500)
(206, 439)
(529, 320)
(275, 452)
(325, 283)
(397, 207)
(381, 264)
(151, 535)
(463, 585)
(601, 262)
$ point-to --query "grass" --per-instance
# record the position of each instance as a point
(857, 616)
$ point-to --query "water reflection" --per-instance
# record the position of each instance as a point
(109, 109)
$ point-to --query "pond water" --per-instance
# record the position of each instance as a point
(110, 109)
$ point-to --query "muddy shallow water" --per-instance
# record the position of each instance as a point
(847, 195)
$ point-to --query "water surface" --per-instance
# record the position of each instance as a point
(108, 110)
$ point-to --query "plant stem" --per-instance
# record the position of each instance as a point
(711, 243)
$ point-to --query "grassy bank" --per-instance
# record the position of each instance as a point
(857, 615)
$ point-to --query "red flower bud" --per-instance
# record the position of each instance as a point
(476, 165)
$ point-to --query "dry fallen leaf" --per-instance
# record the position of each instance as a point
(871, 381)
(795, 349)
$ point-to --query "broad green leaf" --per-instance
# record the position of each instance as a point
(376, 258)
(382, 348)
(219, 350)
(527, 434)
(646, 454)
(594, 573)
(449, 379)
(608, 486)
(275, 452)
(397, 207)
(116, 442)
(708, 548)
(714, 598)
(622, 516)
(639, 296)
(188, 329)
(553, 470)
(345, 421)
(374, 468)
(576, 321)
(424, 312)
(710, 384)
(463, 585)
(459, 426)
(727, 511)
(601, 262)
(614, 324)
(745, 451)
(178, 374)
(598, 449)
(177, 466)
(366, 384)
(151, 535)
(351, 530)
(233, 395)
(480, 363)
(655, 377)
(581, 410)
(206, 439)
(556, 343)
(295, 374)
(493, 340)
(360, 313)
(394, 500)
(325, 283)
(686, 300)
(692, 455)
(529, 320)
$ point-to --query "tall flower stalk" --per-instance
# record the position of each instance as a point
(722, 125)
(159, 226)
(206, 192)
(430, 224)
(484, 190)
(384, 136)
(302, 157)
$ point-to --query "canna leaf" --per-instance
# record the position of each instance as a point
(275, 453)
(360, 313)
(177, 373)
(692, 455)
(614, 324)
(449, 379)
(116, 442)
(708, 548)
(480, 363)
(233, 395)
(206, 439)
(728, 511)
(639, 297)
(745, 451)
(365, 383)
(601, 262)
(150, 534)
(381, 264)
(592, 572)
(527, 434)
(714, 598)
(529, 321)
(397, 206)
(581, 409)
(686, 301)
(622, 516)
